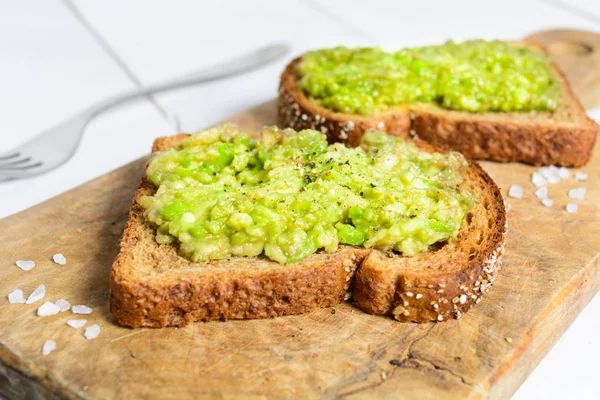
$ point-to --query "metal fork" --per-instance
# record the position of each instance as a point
(56, 145)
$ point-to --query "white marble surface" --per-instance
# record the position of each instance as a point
(52, 67)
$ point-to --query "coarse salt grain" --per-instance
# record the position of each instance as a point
(76, 323)
(547, 202)
(516, 191)
(541, 192)
(47, 309)
(25, 265)
(564, 173)
(92, 332)
(37, 294)
(538, 180)
(59, 259)
(63, 305)
(48, 347)
(578, 193)
(16, 297)
(581, 176)
(81, 309)
(572, 208)
(551, 174)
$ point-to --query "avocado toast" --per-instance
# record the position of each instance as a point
(156, 284)
(517, 107)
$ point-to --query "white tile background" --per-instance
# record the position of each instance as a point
(52, 66)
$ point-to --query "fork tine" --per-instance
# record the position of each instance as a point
(15, 162)
(11, 168)
(9, 155)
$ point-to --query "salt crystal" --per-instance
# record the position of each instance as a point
(547, 202)
(578, 193)
(541, 192)
(48, 347)
(16, 297)
(47, 309)
(551, 174)
(76, 323)
(25, 265)
(59, 259)
(564, 173)
(538, 180)
(516, 191)
(581, 176)
(63, 305)
(81, 309)
(553, 179)
(37, 294)
(92, 332)
(572, 208)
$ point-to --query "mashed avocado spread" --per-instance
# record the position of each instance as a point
(290, 194)
(474, 76)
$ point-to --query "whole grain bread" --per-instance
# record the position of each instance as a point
(564, 137)
(153, 285)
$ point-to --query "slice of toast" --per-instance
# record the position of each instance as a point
(153, 285)
(564, 137)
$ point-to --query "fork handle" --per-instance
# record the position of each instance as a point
(236, 66)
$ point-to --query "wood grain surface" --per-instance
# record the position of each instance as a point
(551, 271)
(577, 53)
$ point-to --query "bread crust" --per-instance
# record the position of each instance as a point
(152, 285)
(536, 140)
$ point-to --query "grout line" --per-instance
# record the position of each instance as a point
(574, 10)
(171, 118)
(336, 18)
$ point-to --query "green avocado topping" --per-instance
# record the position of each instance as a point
(474, 76)
(291, 194)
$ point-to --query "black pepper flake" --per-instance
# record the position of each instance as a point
(395, 362)
(333, 310)
(362, 193)
(347, 162)
(329, 160)
(372, 185)
(307, 179)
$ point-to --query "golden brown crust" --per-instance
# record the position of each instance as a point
(507, 141)
(152, 285)
(565, 137)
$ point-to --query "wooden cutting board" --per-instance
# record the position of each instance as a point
(551, 272)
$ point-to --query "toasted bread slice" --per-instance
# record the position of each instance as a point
(152, 285)
(564, 137)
